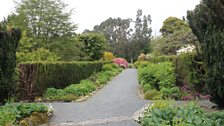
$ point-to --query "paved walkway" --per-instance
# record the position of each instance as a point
(113, 105)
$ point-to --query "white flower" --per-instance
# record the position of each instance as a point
(185, 49)
(50, 110)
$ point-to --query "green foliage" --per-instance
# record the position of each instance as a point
(36, 77)
(164, 113)
(85, 87)
(125, 41)
(40, 54)
(8, 45)
(206, 22)
(176, 33)
(173, 24)
(160, 77)
(70, 93)
(10, 114)
(94, 45)
(47, 22)
(191, 71)
(151, 94)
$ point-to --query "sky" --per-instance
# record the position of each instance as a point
(88, 13)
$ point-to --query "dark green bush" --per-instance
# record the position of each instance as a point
(206, 22)
(85, 87)
(8, 45)
(36, 77)
(191, 71)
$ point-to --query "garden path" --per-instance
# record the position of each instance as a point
(113, 105)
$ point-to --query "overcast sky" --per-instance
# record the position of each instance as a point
(88, 13)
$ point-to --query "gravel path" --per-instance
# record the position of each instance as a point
(113, 105)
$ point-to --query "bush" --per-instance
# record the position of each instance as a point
(152, 94)
(142, 57)
(10, 114)
(40, 54)
(189, 69)
(43, 75)
(206, 22)
(121, 62)
(8, 45)
(160, 77)
(108, 56)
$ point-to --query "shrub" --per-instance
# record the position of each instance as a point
(142, 57)
(10, 114)
(206, 22)
(43, 75)
(40, 54)
(94, 44)
(108, 56)
(121, 62)
(160, 77)
(152, 94)
(8, 45)
(107, 67)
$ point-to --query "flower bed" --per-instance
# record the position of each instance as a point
(166, 113)
(18, 114)
(75, 92)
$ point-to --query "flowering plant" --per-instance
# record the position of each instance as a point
(121, 62)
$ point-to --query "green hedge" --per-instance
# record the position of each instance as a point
(36, 77)
(189, 69)
(8, 44)
(85, 87)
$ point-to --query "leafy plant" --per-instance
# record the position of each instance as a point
(160, 77)
(10, 114)
(108, 56)
(165, 113)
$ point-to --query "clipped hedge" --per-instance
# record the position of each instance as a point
(36, 77)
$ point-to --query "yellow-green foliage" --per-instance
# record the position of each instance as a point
(108, 56)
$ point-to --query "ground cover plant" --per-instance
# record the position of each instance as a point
(13, 114)
(85, 87)
(166, 113)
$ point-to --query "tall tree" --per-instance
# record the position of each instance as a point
(43, 19)
(94, 45)
(142, 34)
(176, 33)
(8, 44)
(125, 41)
(173, 24)
(207, 23)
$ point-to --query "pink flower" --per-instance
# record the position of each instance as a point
(121, 62)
